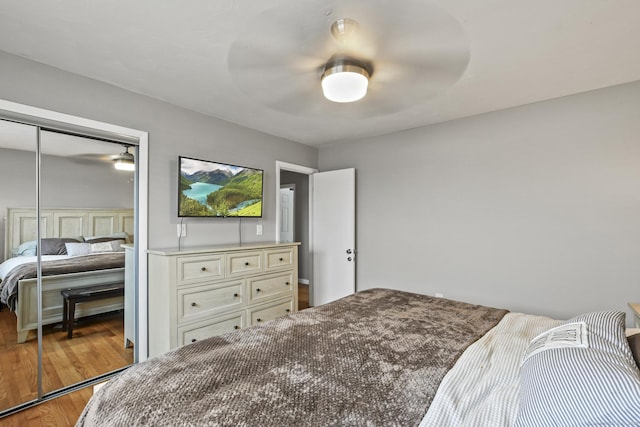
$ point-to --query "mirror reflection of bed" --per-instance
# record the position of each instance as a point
(84, 198)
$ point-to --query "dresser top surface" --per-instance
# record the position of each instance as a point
(219, 248)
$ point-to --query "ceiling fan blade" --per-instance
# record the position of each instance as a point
(280, 33)
(424, 76)
(93, 158)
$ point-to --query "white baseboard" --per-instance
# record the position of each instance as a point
(303, 281)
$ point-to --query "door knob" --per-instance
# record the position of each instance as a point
(349, 258)
(348, 251)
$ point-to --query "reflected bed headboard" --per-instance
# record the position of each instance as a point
(21, 224)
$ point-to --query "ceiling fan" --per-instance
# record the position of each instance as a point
(121, 161)
(124, 161)
(405, 52)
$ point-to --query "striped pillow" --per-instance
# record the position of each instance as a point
(575, 385)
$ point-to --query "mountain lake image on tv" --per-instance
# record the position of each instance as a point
(208, 189)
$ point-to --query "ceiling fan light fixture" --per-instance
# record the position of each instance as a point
(344, 82)
(124, 161)
(125, 165)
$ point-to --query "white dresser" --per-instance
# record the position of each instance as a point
(197, 293)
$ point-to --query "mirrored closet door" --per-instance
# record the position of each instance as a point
(65, 323)
(89, 206)
(18, 360)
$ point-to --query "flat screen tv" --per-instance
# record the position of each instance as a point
(209, 189)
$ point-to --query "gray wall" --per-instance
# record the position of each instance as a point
(65, 183)
(173, 131)
(301, 230)
(535, 209)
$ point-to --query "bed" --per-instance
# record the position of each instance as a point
(387, 358)
(18, 283)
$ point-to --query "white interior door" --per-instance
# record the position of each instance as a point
(334, 232)
(287, 197)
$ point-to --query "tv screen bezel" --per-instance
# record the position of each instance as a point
(223, 164)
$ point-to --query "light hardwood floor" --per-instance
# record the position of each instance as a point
(97, 347)
(60, 412)
(303, 296)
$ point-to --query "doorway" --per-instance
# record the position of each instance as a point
(330, 255)
(290, 176)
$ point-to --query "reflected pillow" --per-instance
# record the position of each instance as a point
(115, 236)
(110, 246)
(77, 249)
(104, 239)
(27, 248)
(56, 246)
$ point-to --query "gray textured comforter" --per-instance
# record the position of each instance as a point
(9, 285)
(375, 358)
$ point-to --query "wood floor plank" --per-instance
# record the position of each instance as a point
(60, 412)
(303, 296)
(97, 347)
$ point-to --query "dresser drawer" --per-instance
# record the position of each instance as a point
(268, 312)
(210, 328)
(243, 263)
(196, 268)
(279, 259)
(206, 300)
(268, 287)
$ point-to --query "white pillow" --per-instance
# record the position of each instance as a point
(77, 249)
(112, 246)
(27, 248)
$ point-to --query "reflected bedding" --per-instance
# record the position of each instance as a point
(15, 269)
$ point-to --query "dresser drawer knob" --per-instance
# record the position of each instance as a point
(246, 263)
(258, 290)
(286, 283)
(193, 304)
(281, 259)
(203, 269)
(235, 295)
(236, 327)
(193, 340)
(259, 319)
(288, 310)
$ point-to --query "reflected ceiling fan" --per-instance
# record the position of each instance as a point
(395, 53)
(122, 161)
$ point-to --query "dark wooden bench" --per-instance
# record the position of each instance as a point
(72, 296)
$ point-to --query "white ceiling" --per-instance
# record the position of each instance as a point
(257, 63)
